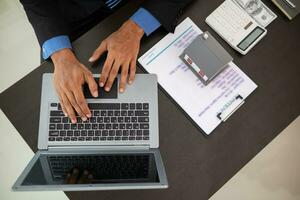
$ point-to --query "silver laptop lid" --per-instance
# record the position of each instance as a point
(93, 170)
(143, 90)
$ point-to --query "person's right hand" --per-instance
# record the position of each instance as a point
(69, 77)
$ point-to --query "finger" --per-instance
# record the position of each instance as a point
(67, 180)
(69, 108)
(132, 71)
(91, 83)
(62, 104)
(106, 69)
(73, 102)
(98, 52)
(84, 177)
(124, 75)
(74, 176)
(82, 104)
(112, 75)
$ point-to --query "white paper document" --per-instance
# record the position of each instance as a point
(204, 104)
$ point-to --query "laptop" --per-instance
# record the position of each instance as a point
(117, 148)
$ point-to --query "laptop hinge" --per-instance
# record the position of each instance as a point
(99, 147)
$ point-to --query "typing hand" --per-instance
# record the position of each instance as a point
(122, 47)
(78, 177)
(69, 76)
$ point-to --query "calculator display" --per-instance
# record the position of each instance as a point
(243, 45)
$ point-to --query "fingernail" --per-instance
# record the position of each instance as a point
(73, 121)
(84, 118)
(95, 94)
(89, 115)
(66, 115)
(107, 89)
(91, 59)
(101, 84)
(121, 90)
(130, 82)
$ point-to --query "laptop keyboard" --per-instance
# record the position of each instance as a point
(109, 122)
(102, 166)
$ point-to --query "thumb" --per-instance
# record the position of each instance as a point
(92, 84)
(98, 52)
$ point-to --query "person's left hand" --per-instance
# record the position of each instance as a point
(122, 49)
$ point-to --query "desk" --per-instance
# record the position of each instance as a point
(197, 166)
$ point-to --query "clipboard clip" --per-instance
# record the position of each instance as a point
(230, 107)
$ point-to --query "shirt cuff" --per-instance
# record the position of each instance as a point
(55, 44)
(145, 20)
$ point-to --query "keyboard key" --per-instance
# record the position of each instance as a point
(117, 138)
(80, 126)
(139, 132)
(52, 126)
(111, 133)
(146, 132)
(144, 126)
(83, 133)
(59, 107)
(53, 104)
(118, 133)
(124, 106)
(108, 126)
(103, 138)
(53, 133)
(88, 138)
(104, 106)
(132, 106)
(120, 119)
(90, 133)
(143, 119)
(139, 138)
(145, 138)
(131, 138)
(66, 126)
(110, 138)
(101, 126)
(106, 119)
(127, 119)
(98, 133)
(87, 126)
(132, 132)
(128, 126)
(65, 120)
(67, 138)
(104, 133)
(113, 119)
(123, 113)
(136, 126)
(81, 138)
(69, 133)
(133, 119)
(56, 113)
(95, 138)
(76, 133)
(51, 138)
(94, 126)
(115, 126)
(121, 126)
(100, 119)
(130, 113)
(125, 132)
(58, 139)
(73, 126)
(110, 113)
(96, 113)
(55, 120)
(62, 133)
(117, 113)
(141, 113)
(59, 126)
(73, 138)
(124, 138)
(145, 106)
(138, 106)
(93, 120)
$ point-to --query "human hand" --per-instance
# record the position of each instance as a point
(69, 76)
(122, 47)
(78, 177)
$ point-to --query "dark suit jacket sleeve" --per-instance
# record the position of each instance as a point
(45, 17)
(167, 12)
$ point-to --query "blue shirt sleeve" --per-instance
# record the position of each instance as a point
(145, 20)
(55, 44)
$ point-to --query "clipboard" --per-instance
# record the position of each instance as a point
(206, 106)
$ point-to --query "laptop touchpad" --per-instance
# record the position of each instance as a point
(112, 94)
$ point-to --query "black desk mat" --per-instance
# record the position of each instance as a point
(196, 166)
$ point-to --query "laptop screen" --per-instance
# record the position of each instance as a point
(92, 169)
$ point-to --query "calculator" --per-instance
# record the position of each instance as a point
(235, 26)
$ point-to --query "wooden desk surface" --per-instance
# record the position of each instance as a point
(197, 166)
